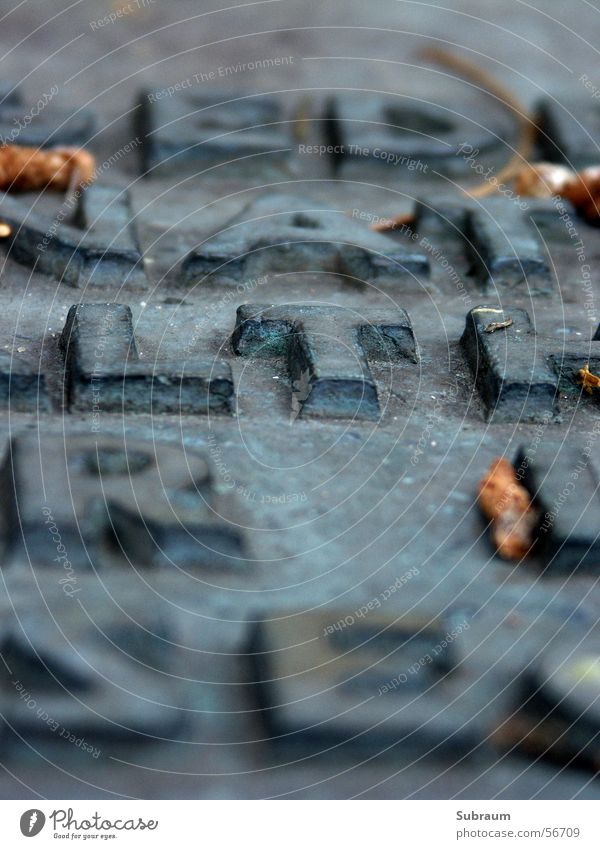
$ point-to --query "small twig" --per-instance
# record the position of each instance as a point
(404, 220)
(527, 127)
(497, 325)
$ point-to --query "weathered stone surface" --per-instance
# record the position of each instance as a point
(39, 123)
(105, 374)
(100, 246)
(512, 375)
(328, 678)
(559, 718)
(570, 358)
(504, 246)
(337, 510)
(327, 351)
(22, 384)
(500, 242)
(111, 501)
(402, 134)
(563, 480)
(83, 671)
(568, 132)
(203, 132)
(286, 233)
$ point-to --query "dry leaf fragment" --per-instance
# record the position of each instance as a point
(580, 188)
(588, 380)
(542, 179)
(583, 191)
(29, 168)
(507, 504)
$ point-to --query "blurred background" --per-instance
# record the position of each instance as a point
(344, 42)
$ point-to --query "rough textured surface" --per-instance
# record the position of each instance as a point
(501, 240)
(334, 512)
(105, 373)
(569, 137)
(204, 132)
(376, 134)
(513, 376)
(97, 244)
(131, 505)
(52, 127)
(284, 233)
(564, 483)
(327, 350)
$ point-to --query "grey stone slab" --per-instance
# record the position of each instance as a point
(95, 502)
(375, 682)
(558, 717)
(38, 122)
(22, 385)
(84, 672)
(105, 374)
(91, 240)
(569, 129)
(514, 379)
(187, 130)
(403, 134)
(572, 356)
(501, 244)
(504, 245)
(327, 350)
(564, 482)
(278, 233)
(362, 514)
